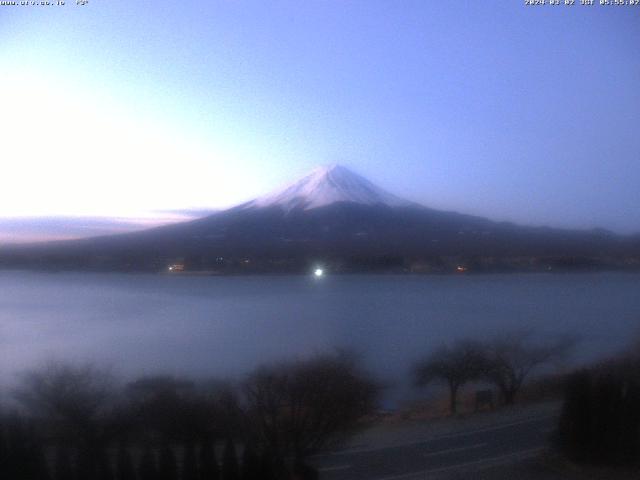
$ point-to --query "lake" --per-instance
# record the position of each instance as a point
(225, 326)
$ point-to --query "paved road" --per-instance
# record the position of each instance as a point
(472, 449)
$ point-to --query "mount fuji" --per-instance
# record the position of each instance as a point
(325, 186)
(340, 219)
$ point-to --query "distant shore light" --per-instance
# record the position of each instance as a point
(318, 272)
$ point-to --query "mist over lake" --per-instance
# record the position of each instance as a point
(225, 326)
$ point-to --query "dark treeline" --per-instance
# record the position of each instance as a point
(143, 261)
(600, 419)
(76, 423)
(70, 422)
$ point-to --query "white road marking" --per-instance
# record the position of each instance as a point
(436, 438)
(499, 459)
(452, 450)
(334, 469)
(495, 427)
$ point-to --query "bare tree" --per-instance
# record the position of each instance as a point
(178, 409)
(69, 399)
(511, 357)
(453, 365)
(300, 408)
(633, 351)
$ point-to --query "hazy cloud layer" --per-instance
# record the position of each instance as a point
(27, 229)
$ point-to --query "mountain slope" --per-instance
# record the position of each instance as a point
(340, 218)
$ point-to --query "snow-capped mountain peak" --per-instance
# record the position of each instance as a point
(326, 185)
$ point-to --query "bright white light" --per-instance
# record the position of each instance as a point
(318, 272)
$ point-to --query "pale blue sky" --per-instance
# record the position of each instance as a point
(123, 108)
